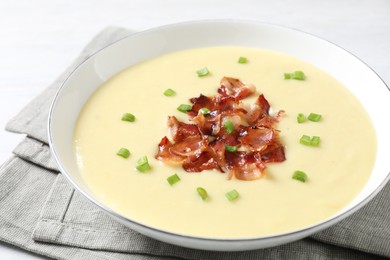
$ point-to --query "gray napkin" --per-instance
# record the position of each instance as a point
(41, 212)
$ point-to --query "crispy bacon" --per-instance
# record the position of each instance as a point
(269, 121)
(207, 160)
(273, 153)
(216, 104)
(258, 110)
(258, 137)
(235, 88)
(218, 148)
(180, 131)
(209, 125)
(201, 145)
(201, 102)
(164, 154)
(190, 146)
(245, 166)
(225, 104)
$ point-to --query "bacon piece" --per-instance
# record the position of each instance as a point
(217, 104)
(258, 110)
(218, 148)
(229, 139)
(235, 88)
(270, 121)
(258, 137)
(204, 161)
(225, 104)
(164, 154)
(273, 153)
(180, 131)
(200, 121)
(245, 166)
(267, 121)
(213, 157)
(201, 163)
(201, 102)
(208, 125)
(263, 103)
(190, 146)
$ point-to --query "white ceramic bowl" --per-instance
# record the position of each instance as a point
(353, 73)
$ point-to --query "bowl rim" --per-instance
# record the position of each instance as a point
(319, 226)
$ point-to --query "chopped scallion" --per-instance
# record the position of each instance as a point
(314, 117)
(232, 195)
(242, 60)
(173, 179)
(202, 72)
(205, 110)
(229, 126)
(128, 117)
(143, 164)
(305, 139)
(169, 92)
(298, 75)
(301, 118)
(315, 141)
(231, 148)
(184, 108)
(202, 193)
(124, 152)
(300, 176)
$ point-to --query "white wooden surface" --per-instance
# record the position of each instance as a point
(38, 39)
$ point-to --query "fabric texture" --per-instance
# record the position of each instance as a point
(41, 212)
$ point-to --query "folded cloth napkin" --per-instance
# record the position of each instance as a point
(41, 212)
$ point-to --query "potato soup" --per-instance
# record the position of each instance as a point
(336, 169)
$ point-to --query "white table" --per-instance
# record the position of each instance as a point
(40, 38)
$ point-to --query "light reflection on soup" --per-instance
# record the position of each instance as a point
(337, 169)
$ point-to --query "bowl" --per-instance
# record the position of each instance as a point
(362, 81)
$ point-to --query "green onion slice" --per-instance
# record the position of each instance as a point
(314, 117)
(184, 108)
(229, 126)
(298, 75)
(305, 140)
(301, 118)
(143, 164)
(310, 141)
(242, 60)
(173, 179)
(202, 72)
(232, 195)
(202, 193)
(315, 141)
(124, 152)
(299, 176)
(128, 117)
(231, 148)
(169, 92)
(205, 111)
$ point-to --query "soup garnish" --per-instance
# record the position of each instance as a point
(123, 152)
(128, 117)
(226, 135)
(298, 75)
(299, 176)
(169, 92)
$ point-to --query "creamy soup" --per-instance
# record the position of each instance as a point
(337, 169)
